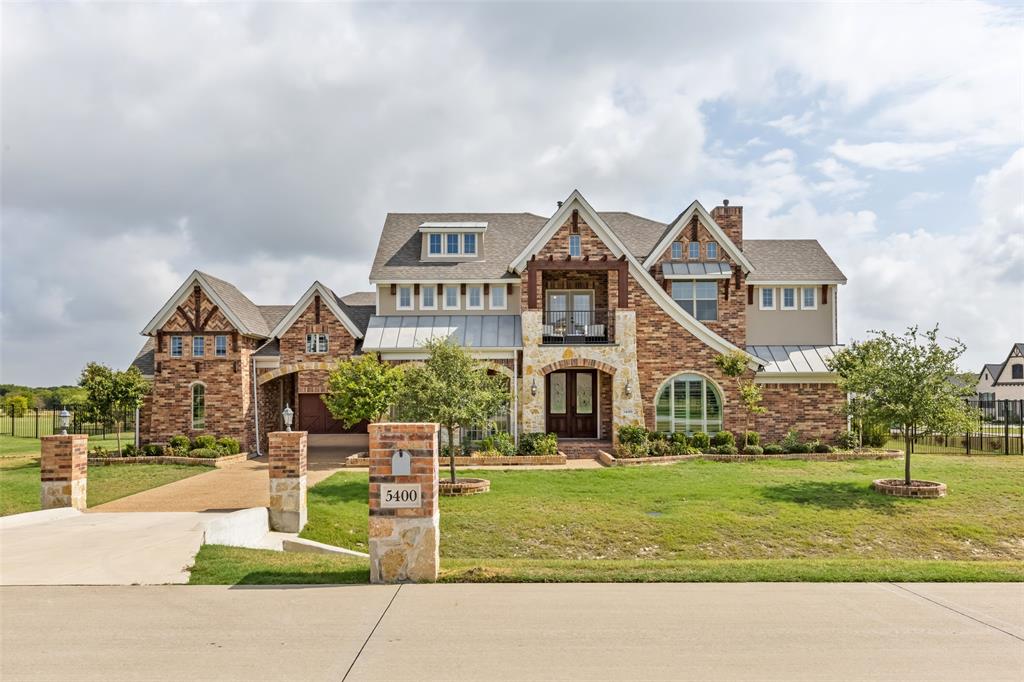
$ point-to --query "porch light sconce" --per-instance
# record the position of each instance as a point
(65, 419)
(533, 387)
(629, 390)
(287, 414)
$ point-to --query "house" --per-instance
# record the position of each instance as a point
(1004, 381)
(597, 319)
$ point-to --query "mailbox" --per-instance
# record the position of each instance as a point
(401, 463)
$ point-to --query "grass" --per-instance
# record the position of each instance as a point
(695, 521)
(19, 482)
(16, 445)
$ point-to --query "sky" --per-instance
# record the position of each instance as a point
(265, 143)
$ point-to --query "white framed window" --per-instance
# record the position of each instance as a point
(767, 299)
(677, 250)
(575, 246)
(688, 403)
(787, 298)
(452, 244)
(452, 294)
(697, 297)
(404, 301)
(198, 407)
(434, 244)
(176, 347)
(428, 297)
(499, 297)
(712, 250)
(198, 346)
(220, 346)
(316, 343)
(474, 297)
(809, 298)
(694, 250)
(469, 244)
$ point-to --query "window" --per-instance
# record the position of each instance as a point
(767, 299)
(404, 298)
(198, 346)
(198, 406)
(788, 298)
(809, 298)
(475, 298)
(575, 246)
(688, 403)
(428, 297)
(699, 298)
(677, 250)
(220, 346)
(316, 343)
(712, 250)
(434, 241)
(1017, 371)
(452, 244)
(694, 250)
(175, 346)
(451, 297)
(469, 244)
(498, 297)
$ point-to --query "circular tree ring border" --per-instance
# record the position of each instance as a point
(464, 486)
(897, 488)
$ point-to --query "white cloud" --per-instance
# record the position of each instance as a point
(897, 156)
(915, 199)
(840, 180)
(793, 125)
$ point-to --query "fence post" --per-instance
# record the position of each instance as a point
(1006, 426)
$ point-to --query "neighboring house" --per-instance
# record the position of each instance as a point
(597, 320)
(1003, 381)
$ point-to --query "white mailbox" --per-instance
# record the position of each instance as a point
(401, 463)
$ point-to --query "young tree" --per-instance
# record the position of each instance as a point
(734, 365)
(17, 405)
(111, 393)
(452, 389)
(361, 389)
(903, 380)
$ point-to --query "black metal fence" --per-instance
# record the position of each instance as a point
(998, 431)
(33, 422)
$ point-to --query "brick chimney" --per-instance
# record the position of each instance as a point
(730, 219)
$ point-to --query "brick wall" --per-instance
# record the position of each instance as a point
(341, 344)
(812, 409)
(558, 247)
(730, 219)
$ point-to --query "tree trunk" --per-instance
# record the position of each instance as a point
(451, 452)
(117, 425)
(906, 457)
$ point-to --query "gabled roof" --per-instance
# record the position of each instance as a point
(145, 359)
(360, 298)
(994, 370)
(791, 260)
(245, 315)
(679, 224)
(342, 311)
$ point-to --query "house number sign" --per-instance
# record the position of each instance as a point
(400, 496)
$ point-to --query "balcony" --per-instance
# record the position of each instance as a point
(578, 327)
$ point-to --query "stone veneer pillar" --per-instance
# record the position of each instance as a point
(63, 468)
(404, 538)
(287, 457)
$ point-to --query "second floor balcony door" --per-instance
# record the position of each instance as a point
(569, 313)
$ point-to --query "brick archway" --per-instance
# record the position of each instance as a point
(578, 363)
(272, 374)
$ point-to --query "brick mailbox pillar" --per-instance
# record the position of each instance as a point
(404, 518)
(63, 467)
(287, 457)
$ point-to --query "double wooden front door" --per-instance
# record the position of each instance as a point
(572, 403)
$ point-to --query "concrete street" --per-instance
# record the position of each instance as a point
(512, 632)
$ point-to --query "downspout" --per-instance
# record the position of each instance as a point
(515, 398)
(256, 407)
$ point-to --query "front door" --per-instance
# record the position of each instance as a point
(571, 403)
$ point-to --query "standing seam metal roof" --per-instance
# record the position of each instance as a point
(410, 332)
(792, 359)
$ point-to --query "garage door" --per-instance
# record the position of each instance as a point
(315, 418)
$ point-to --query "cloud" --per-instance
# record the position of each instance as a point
(794, 126)
(897, 156)
(915, 199)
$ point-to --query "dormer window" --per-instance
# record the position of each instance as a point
(469, 244)
(435, 244)
(694, 250)
(404, 298)
(1018, 371)
(575, 246)
(452, 244)
(677, 250)
(712, 250)
(452, 240)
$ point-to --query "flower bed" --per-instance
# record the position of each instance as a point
(216, 462)
(361, 459)
(609, 460)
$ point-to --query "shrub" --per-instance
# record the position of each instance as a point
(538, 443)
(229, 445)
(773, 449)
(500, 443)
(846, 440)
(876, 435)
(679, 438)
(180, 443)
(205, 453)
(633, 435)
(700, 441)
(823, 447)
(753, 438)
(726, 449)
(98, 451)
(679, 449)
(724, 438)
(693, 451)
(129, 450)
(657, 435)
(802, 448)
(625, 452)
(659, 448)
(753, 450)
(204, 442)
(153, 449)
(791, 442)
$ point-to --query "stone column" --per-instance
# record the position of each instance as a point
(287, 456)
(404, 517)
(63, 467)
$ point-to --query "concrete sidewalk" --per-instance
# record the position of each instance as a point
(783, 631)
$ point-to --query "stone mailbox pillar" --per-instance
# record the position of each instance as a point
(287, 457)
(404, 535)
(63, 466)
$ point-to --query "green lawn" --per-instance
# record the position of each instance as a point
(16, 445)
(695, 521)
(19, 481)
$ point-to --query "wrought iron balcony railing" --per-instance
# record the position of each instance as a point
(578, 327)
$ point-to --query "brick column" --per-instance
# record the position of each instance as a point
(287, 456)
(404, 518)
(63, 466)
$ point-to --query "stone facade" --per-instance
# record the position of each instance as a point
(404, 543)
(287, 463)
(63, 471)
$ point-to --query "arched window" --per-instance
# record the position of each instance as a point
(198, 406)
(688, 403)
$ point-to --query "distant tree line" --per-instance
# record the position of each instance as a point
(24, 398)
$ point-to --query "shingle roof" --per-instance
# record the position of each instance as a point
(790, 260)
(790, 359)
(246, 311)
(269, 349)
(994, 369)
(409, 332)
(638, 234)
(360, 298)
(273, 313)
(145, 358)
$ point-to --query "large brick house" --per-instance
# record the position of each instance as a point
(596, 319)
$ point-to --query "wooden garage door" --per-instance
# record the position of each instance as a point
(315, 418)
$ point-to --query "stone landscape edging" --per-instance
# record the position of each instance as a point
(214, 462)
(360, 460)
(610, 460)
(897, 488)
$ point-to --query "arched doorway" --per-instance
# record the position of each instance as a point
(578, 398)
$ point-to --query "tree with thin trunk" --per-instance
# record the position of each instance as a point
(361, 389)
(903, 381)
(734, 365)
(454, 390)
(110, 393)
